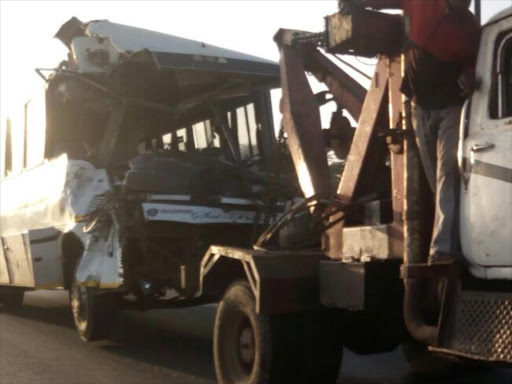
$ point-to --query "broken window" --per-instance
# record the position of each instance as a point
(247, 131)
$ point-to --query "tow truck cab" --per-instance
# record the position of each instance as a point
(485, 157)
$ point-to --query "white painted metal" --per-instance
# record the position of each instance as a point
(100, 265)
(46, 255)
(48, 200)
(83, 47)
(19, 264)
(507, 12)
(131, 39)
(486, 219)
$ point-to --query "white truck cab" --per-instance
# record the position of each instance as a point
(485, 157)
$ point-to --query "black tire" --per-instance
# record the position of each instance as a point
(94, 313)
(260, 349)
(11, 297)
(423, 362)
(326, 346)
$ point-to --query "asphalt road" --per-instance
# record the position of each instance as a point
(38, 345)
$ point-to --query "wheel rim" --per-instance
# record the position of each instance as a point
(239, 348)
(246, 346)
(79, 307)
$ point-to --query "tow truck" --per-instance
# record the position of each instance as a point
(366, 285)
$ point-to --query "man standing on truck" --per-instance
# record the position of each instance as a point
(440, 57)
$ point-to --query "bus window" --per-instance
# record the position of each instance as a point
(181, 139)
(204, 135)
(35, 125)
(166, 139)
(253, 128)
(14, 143)
(8, 149)
(200, 135)
(247, 127)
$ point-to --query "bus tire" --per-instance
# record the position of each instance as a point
(93, 312)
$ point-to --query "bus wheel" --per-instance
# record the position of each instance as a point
(93, 312)
(11, 297)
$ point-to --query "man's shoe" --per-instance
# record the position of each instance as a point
(440, 258)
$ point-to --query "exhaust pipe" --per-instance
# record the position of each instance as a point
(414, 238)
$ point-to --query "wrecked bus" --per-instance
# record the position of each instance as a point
(147, 148)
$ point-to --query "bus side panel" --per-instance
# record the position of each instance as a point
(19, 264)
(4, 273)
(46, 255)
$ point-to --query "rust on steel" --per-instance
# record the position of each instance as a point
(348, 92)
(301, 120)
(359, 153)
(396, 114)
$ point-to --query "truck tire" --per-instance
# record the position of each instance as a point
(251, 348)
(94, 313)
(11, 297)
(326, 346)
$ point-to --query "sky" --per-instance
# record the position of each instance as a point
(27, 29)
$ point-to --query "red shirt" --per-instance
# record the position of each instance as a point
(449, 36)
(443, 45)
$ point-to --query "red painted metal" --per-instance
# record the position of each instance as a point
(364, 32)
(396, 116)
(347, 91)
(301, 120)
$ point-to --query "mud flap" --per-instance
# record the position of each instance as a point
(282, 281)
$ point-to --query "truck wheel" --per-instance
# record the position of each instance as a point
(11, 297)
(94, 314)
(241, 339)
(258, 349)
(326, 346)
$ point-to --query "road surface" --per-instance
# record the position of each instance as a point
(38, 345)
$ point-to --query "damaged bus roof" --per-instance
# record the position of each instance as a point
(167, 51)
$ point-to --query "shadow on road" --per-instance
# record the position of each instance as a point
(137, 340)
(180, 340)
(168, 340)
(392, 368)
(59, 316)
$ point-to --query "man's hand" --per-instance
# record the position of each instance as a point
(467, 83)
